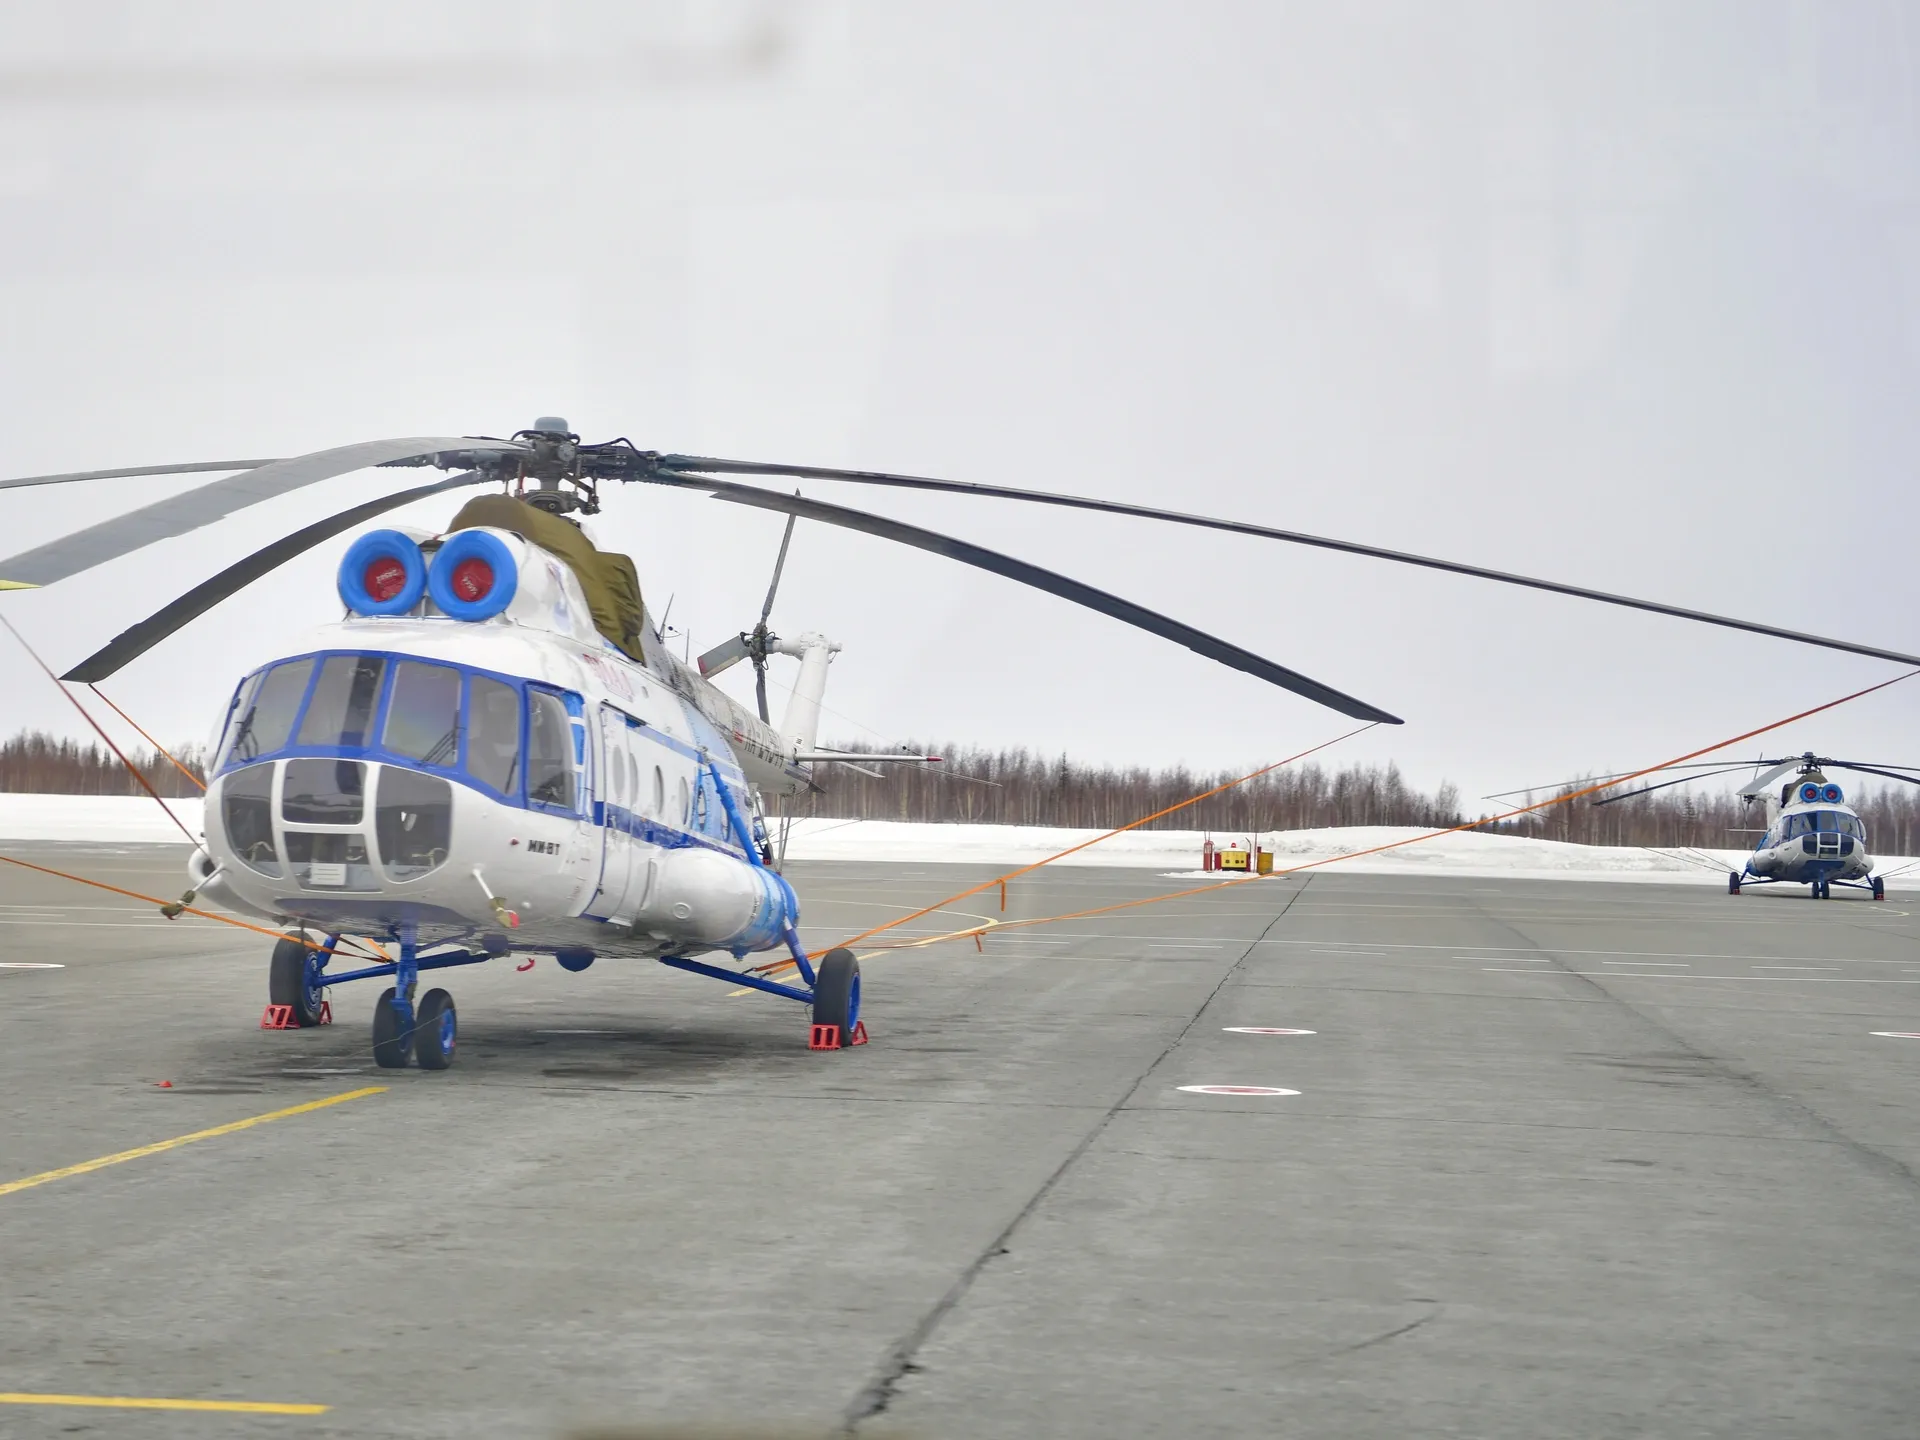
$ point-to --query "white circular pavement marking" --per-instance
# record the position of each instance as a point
(1235, 1090)
(1898, 1034)
(29, 965)
(1262, 1030)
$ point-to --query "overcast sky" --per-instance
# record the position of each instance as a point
(1622, 293)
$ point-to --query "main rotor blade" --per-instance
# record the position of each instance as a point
(1874, 770)
(1616, 775)
(760, 688)
(179, 514)
(135, 641)
(966, 553)
(1664, 784)
(779, 564)
(192, 469)
(683, 463)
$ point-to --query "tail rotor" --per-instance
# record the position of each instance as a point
(755, 644)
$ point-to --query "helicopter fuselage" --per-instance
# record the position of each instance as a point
(524, 788)
(1811, 843)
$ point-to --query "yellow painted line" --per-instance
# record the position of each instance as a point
(138, 1402)
(105, 1160)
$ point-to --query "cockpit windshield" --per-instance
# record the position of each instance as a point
(263, 717)
(1821, 822)
(423, 717)
(344, 699)
(409, 710)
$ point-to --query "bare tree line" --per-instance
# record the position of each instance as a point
(1029, 789)
(39, 763)
(1018, 787)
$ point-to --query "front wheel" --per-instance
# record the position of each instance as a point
(1733, 882)
(1879, 888)
(434, 1031)
(390, 1040)
(293, 979)
(836, 992)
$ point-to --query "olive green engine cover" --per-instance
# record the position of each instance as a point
(611, 583)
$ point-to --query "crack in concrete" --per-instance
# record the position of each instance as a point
(879, 1392)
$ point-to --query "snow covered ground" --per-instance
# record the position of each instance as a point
(1178, 851)
(109, 819)
(106, 819)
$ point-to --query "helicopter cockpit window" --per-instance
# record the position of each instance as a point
(493, 734)
(549, 751)
(266, 712)
(246, 810)
(423, 716)
(344, 699)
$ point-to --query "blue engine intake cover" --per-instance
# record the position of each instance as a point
(474, 576)
(382, 563)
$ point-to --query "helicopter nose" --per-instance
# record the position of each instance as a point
(307, 819)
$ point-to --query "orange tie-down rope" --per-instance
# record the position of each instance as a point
(775, 967)
(74, 700)
(977, 931)
(168, 908)
(183, 910)
(158, 747)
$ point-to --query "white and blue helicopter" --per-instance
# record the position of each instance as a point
(494, 752)
(1813, 837)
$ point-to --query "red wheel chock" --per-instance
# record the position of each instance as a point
(280, 1017)
(827, 1037)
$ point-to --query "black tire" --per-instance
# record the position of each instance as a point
(287, 982)
(836, 992)
(1879, 888)
(435, 1031)
(1733, 882)
(390, 1042)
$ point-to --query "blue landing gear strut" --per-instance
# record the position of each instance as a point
(393, 1013)
(833, 993)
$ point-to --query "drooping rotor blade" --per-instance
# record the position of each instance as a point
(1664, 784)
(136, 640)
(728, 652)
(1872, 770)
(1760, 783)
(760, 689)
(194, 469)
(684, 463)
(178, 514)
(1581, 780)
(966, 553)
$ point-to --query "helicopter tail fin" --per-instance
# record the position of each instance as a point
(815, 653)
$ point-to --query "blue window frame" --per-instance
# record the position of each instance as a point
(469, 725)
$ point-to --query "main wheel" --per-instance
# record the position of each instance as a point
(1733, 882)
(390, 1042)
(434, 1029)
(1820, 890)
(1879, 888)
(293, 979)
(836, 992)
